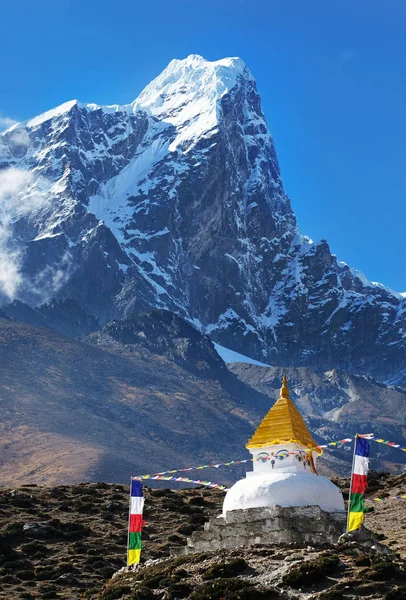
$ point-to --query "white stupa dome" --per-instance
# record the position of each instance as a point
(284, 460)
(284, 489)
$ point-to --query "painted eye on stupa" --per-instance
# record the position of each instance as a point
(282, 454)
(263, 457)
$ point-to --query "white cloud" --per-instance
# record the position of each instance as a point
(17, 198)
(48, 281)
(12, 182)
(19, 137)
(6, 122)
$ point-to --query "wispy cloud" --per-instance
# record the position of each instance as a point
(16, 140)
(6, 122)
(48, 281)
(19, 137)
(345, 57)
(17, 198)
(21, 193)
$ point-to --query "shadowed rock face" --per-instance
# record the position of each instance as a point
(151, 205)
(163, 333)
(63, 316)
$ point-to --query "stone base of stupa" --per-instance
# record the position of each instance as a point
(276, 525)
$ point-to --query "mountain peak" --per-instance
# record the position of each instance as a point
(231, 63)
(175, 202)
(187, 93)
(193, 72)
(192, 76)
(45, 116)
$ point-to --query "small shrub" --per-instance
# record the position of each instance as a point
(85, 507)
(107, 572)
(176, 539)
(25, 575)
(186, 529)
(366, 589)
(382, 571)
(179, 590)
(159, 493)
(198, 501)
(143, 593)
(362, 561)
(312, 570)
(45, 574)
(32, 548)
(157, 581)
(115, 592)
(198, 519)
(181, 573)
(225, 569)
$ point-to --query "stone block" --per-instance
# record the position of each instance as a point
(262, 526)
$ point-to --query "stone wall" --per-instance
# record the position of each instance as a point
(274, 525)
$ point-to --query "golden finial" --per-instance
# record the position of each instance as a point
(282, 424)
(284, 388)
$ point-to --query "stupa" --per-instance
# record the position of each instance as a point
(282, 500)
(284, 465)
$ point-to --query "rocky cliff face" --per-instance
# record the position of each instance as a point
(163, 333)
(176, 202)
(63, 316)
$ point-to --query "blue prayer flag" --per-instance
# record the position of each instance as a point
(362, 447)
(136, 488)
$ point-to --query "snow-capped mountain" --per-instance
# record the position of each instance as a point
(175, 201)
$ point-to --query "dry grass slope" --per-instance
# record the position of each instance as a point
(67, 541)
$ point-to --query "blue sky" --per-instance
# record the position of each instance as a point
(331, 74)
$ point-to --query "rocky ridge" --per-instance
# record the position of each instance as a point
(63, 316)
(176, 201)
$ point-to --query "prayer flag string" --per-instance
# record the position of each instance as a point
(235, 462)
(388, 443)
(403, 497)
(210, 484)
(167, 475)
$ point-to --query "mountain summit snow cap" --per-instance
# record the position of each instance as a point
(187, 94)
(192, 75)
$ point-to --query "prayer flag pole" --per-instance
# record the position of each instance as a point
(135, 522)
(359, 482)
(352, 471)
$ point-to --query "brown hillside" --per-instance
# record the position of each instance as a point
(70, 411)
(66, 542)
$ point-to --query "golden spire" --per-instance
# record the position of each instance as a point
(283, 423)
(284, 393)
